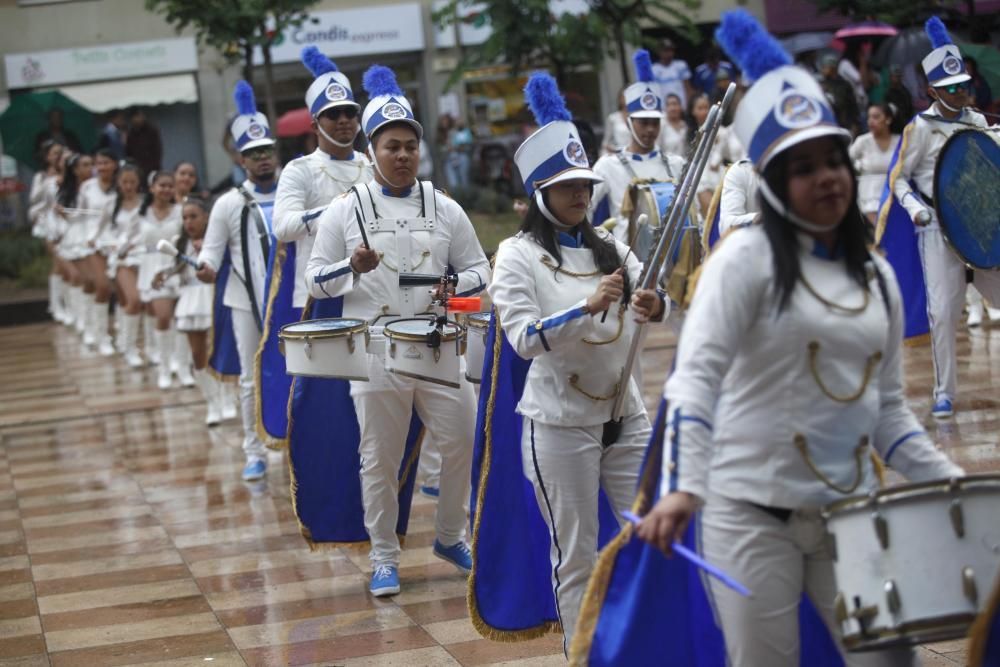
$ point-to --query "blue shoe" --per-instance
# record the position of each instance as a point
(255, 469)
(385, 581)
(430, 491)
(942, 408)
(458, 555)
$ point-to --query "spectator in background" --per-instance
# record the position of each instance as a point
(707, 74)
(57, 133)
(113, 134)
(616, 133)
(979, 90)
(425, 168)
(459, 155)
(672, 74)
(898, 96)
(853, 68)
(674, 135)
(839, 92)
(143, 144)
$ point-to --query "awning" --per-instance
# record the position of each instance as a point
(118, 94)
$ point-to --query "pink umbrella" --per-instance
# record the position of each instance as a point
(294, 123)
(866, 29)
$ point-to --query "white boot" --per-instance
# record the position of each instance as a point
(163, 345)
(90, 320)
(101, 334)
(227, 398)
(57, 291)
(128, 335)
(210, 390)
(78, 306)
(182, 360)
(149, 339)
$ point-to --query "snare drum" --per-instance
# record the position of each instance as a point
(915, 563)
(335, 347)
(417, 349)
(476, 327)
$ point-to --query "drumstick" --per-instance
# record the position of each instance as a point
(605, 315)
(167, 248)
(361, 226)
(698, 561)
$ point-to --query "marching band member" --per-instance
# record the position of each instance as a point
(366, 277)
(872, 153)
(912, 184)
(69, 224)
(788, 372)
(307, 185)
(640, 159)
(551, 283)
(41, 199)
(739, 205)
(241, 222)
(95, 195)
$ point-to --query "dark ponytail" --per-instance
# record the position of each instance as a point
(70, 186)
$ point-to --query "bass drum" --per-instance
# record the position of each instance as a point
(967, 196)
(914, 563)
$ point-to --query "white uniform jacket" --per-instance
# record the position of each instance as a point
(307, 186)
(224, 231)
(577, 360)
(433, 226)
(619, 170)
(93, 198)
(922, 140)
(781, 409)
(739, 205)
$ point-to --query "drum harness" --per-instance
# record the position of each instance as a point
(627, 163)
(265, 247)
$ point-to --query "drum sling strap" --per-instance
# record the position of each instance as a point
(265, 248)
(627, 163)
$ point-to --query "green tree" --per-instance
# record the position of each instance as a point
(894, 12)
(236, 28)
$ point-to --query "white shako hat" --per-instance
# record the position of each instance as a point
(554, 152)
(642, 98)
(250, 128)
(330, 88)
(944, 65)
(386, 102)
(786, 105)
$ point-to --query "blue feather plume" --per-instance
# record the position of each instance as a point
(937, 32)
(643, 66)
(246, 104)
(752, 47)
(380, 80)
(544, 99)
(316, 62)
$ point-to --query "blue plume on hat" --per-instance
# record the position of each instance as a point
(643, 66)
(752, 47)
(937, 32)
(380, 80)
(316, 62)
(246, 104)
(544, 99)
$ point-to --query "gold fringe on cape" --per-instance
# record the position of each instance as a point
(267, 438)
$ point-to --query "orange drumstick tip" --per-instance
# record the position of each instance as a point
(465, 304)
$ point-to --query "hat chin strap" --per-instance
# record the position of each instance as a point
(631, 130)
(384, 178)
(334, 141)
(940, 100)
(540, 200)
(786, 213)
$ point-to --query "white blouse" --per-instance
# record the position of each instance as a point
(872, 165)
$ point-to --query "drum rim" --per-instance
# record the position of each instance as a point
(937, 198)
(944, 486)
(359, 327)
(925, 630)
(421, 338)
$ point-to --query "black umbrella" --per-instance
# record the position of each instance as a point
(907, 48)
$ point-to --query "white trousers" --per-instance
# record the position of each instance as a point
(944, 275)
(430, 462)
(384, 406)
(777, 560)
(567, 467)
(247, 341)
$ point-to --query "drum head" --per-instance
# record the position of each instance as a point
(419, 328)
(328, 326)
(967, 196)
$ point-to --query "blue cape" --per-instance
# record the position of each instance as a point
(272, 384)
(323, 459)
(223, 358)
(641, 607)
(984, 637)
(510, 591)
(896, 234)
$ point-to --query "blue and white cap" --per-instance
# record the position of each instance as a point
(554, 152)
(786, 105)
(331, 88)
(250, 128)
(386, 102)
(642, 98)
(944, 65)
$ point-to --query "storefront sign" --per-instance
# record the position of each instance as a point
(353, 32)
(100, 63)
